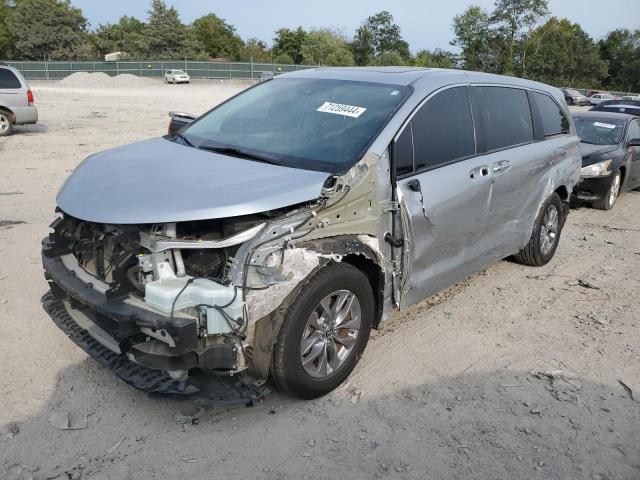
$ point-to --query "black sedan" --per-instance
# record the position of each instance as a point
(610, 156)
(631, 107)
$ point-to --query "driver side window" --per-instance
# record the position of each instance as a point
(440, 133)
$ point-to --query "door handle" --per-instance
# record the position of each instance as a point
(501, 166)
(479, 172)
(414, 185)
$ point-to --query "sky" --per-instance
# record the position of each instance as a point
(424, 23)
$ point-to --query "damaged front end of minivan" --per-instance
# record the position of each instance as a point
(161, 303)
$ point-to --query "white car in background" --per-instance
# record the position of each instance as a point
(596, 98)
(17, 106)
(631, 97)
(177, 76)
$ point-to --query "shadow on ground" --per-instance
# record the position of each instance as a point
(495, 425)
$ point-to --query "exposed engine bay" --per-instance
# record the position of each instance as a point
(177, 270)
(205, 294)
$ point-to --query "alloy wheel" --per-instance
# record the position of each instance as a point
(614, 190)
(330, 335)
(549, 229)
(4, 123)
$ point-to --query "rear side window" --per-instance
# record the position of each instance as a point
(503, 117)
(8, 79)
(554, 121)
(443, 129)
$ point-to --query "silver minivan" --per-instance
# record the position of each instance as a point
(267, 238)
(17, 105)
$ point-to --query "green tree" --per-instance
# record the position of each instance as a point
(49, 30)
(562, 54)
(388, 59)
(377, 35)
(621, 49)
(166, 37)
(255, 50)
(326, 47)
(473, 36)
(513, 21)
(287, 44)
(128, 35)
(218, 38)
(7, 40)
(436, 59)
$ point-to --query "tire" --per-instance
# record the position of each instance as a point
(537, 252)
(333, 284)
(6, 123)
(609, 200)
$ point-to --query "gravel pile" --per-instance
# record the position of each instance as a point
(102, 80)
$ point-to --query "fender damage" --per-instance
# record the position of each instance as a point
(225, 282)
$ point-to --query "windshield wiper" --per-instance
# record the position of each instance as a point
(184, 139)
(237, 152)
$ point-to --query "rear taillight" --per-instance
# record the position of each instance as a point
(30, 97)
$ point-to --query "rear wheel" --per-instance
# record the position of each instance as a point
(6, 123)
(609, 200)
(546, 234)
(324, 332)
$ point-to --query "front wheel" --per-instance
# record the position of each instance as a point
(6, 124)
(609, 200)
(546, 234)
(324, 333)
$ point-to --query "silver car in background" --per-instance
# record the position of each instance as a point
(17, 105)
(177, 76)
(267, 238)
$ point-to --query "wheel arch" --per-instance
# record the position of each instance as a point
(6, 109)
(565, 196)
(345, 249)
(376, 277)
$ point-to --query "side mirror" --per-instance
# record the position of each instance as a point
(179, 120)
(634, 142)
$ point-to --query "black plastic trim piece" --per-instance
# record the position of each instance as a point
(204, 388)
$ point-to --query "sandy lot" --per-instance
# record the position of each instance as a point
(444, 390)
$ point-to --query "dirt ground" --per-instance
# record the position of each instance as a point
(445, 389)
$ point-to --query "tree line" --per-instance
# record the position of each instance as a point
(517, 37)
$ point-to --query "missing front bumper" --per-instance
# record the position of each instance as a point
(210, 389)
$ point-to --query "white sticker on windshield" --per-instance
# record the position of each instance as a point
(340, 109)
(604, 125)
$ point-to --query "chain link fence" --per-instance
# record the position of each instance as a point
(152, 68)
(584, 91)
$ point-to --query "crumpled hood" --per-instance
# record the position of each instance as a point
(158, 181)
(588, 151)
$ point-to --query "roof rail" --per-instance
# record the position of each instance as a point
(3, 63)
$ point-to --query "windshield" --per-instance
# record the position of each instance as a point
(599, 131)
(313, 124)
(178, 72)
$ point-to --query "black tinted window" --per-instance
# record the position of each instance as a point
(8, 79)
(554, 121)
(403, 152)
(443, 129)
(503, 116)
